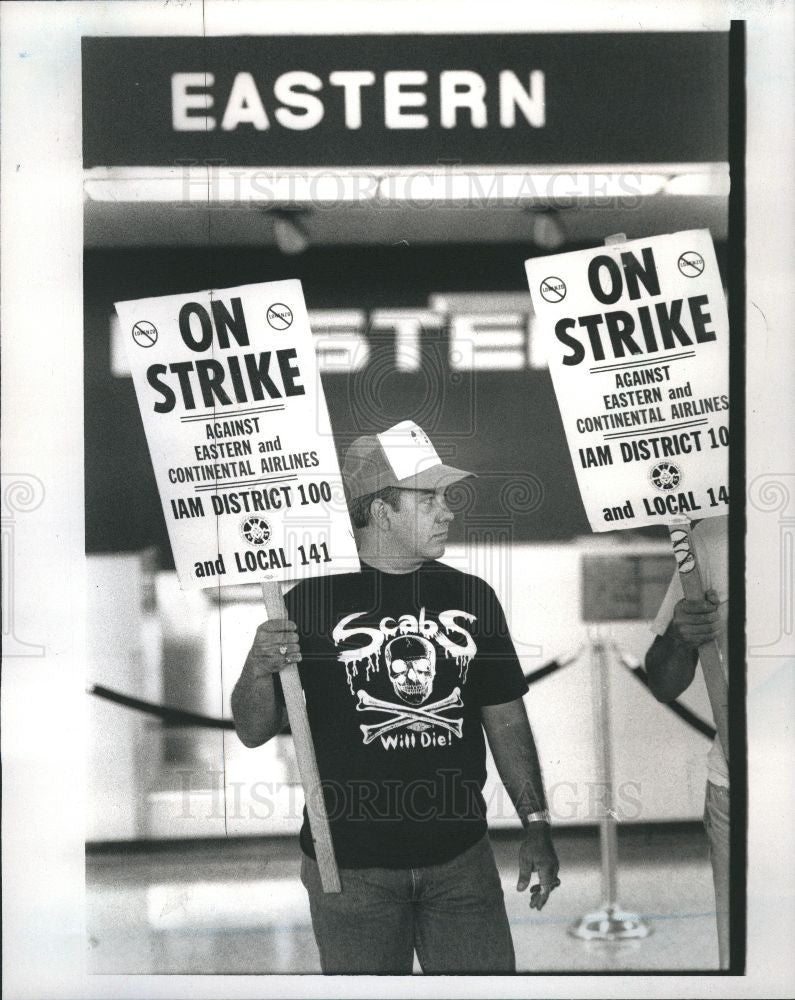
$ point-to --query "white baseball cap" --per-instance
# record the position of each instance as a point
(401, 456)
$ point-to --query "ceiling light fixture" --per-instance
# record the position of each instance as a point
(289, 232)
(546, 230)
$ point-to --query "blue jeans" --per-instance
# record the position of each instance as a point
(716, 823)
(453, 915)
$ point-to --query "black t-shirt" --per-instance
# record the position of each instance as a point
(395, 668)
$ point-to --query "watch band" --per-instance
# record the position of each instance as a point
(542, 816)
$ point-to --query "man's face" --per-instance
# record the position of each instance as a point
(419, 526)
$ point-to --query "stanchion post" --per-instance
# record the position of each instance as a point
(608, 834)
(610, 923)
(305, 753)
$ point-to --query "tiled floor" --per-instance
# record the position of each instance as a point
(240, 907)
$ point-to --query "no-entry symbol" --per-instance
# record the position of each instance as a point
(144, 333)
(279, 316)
(553, 289)
(691, 264)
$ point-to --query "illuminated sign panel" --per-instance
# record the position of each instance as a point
(406, 100)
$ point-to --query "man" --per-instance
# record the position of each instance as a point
(404, 664)
(682, 627)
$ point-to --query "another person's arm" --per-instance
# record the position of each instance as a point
(514, 751)
(672, 658)
(257, 712)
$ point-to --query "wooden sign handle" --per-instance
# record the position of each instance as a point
(305, 752)
(708, 654)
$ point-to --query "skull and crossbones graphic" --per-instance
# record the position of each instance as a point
(411, 662)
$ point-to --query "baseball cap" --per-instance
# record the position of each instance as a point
(402, 456)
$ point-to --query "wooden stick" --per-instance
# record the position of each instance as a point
(708, 654)
(305, 752)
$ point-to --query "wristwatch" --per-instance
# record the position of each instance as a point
(542, 816)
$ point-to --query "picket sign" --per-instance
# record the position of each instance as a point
(244, 457)
(693, 589)
(647, 312)
(305, 753)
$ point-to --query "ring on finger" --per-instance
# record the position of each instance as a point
(282, 650)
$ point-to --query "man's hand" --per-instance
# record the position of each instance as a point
(275, 646)
(538, 854)
(257, 712)
(698, 622)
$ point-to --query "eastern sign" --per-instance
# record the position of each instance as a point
(406, 100)
(638, 350)
(239, 434)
